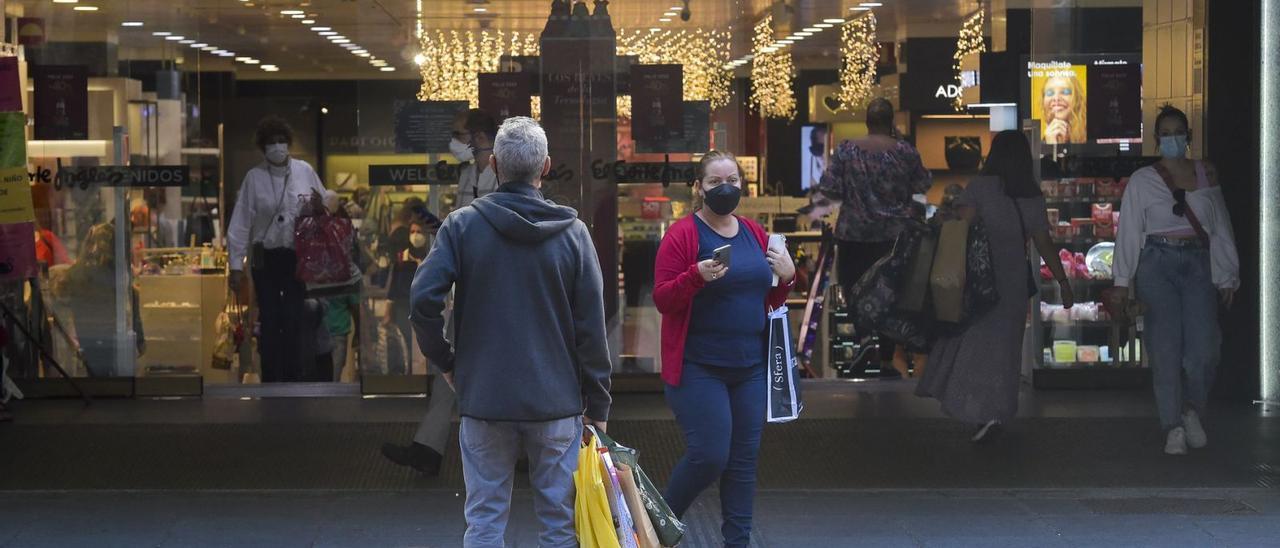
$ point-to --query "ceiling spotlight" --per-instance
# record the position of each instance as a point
(824, 25)
(319, 29)
(298, 16)
(813, 29)
(131, 24)
(243, 59)
(803, 34)
(479, 10)
(86, 8)
(308, 21)
(387, 69)
(252, 62)
(292, 12)
(186, 42)
(419, 59)
(671, 14)
(328, 33)
(65, 1)
(364, 54)
(784, 42)
(198, 45)
(871, 4)
(769, 49)
(655, 29)
(834, 20)
(664, 19)
(160, 33)
(175, 38)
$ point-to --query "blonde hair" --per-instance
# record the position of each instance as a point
(1079, 106)
(711, 157)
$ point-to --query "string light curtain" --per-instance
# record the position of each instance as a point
(453, 60)
(702, 53)
(861, 57)
(969, 43)
(772, 73)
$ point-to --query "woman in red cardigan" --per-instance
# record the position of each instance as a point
(713, 342)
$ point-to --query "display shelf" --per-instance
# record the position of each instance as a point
(1080, 200)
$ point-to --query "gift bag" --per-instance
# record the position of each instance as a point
(324, 245)
(783, 395)
(914, 290)
(593, 520)
(947, 277)
(619, 510)
(668, 528)
(646, 535)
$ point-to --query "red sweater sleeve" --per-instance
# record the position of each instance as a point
(675, 277)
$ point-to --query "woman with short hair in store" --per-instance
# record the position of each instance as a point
(713, 342)
(1176, 244)
(261, 235)
(976, 374)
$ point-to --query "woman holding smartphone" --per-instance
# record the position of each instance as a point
(713, 341)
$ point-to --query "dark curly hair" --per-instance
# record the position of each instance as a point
(1169, 111)
(269, 127)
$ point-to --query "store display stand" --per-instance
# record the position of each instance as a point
(45, 353)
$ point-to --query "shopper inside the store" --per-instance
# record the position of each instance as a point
(713, 305)
(1175, 244)
(407, 247)
(976, 374)
(530, 350)
(875, 179)
(261, 235)
(472, 144)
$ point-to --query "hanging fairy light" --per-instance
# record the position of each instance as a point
(861, 56)
(702, 53)
(772, 72)
(453, 60)
(969, 43)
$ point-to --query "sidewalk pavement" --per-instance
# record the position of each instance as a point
(784, 518)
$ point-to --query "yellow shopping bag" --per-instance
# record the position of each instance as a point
(592, 517)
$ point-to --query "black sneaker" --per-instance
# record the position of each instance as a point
(415, 455)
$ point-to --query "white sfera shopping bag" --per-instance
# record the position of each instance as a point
(784, 403)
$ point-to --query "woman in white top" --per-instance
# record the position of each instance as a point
(1176, 245)
(261, 230)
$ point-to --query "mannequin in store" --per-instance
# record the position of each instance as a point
(261, 235)
(874, 179)
(472, 144)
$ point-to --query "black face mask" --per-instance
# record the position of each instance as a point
(723, 199)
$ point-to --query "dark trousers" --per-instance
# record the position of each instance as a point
(722, 412)
(280, 311)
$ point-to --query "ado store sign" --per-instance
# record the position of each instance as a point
(968, 79)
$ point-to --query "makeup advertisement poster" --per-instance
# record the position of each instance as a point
(62, 103)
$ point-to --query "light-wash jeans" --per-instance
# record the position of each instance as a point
(489, 453)
(1181, 335)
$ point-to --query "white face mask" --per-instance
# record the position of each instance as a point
(461, 151)
(277, 153)
(418, 240)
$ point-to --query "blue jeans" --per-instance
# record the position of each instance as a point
(721, 411)
(489, 453)
(1181, 336)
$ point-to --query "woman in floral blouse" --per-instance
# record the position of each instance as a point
(874, 178)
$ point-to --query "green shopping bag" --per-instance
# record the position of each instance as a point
(669, 528)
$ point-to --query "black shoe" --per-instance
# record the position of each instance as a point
(415, 455)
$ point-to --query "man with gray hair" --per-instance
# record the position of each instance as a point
(529, 360)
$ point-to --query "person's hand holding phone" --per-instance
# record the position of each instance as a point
(712, 270)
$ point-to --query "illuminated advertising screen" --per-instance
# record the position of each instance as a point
(1086, 99)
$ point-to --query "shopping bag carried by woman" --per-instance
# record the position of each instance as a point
(783, 395)
(593, 520)
(668, 529)
(324, 245)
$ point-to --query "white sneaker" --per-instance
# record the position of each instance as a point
(1176, 443)
(1196, 438)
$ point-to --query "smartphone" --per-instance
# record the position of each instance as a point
(722, 255)
(779, 242)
